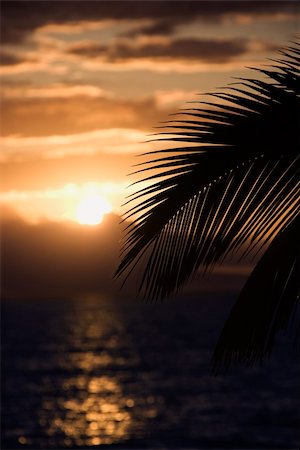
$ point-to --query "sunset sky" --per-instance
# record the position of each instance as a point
(84, 82)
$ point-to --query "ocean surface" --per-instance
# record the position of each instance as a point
(119, 373)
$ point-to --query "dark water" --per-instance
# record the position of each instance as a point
(117, 373)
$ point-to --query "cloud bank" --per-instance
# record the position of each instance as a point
(164, 16)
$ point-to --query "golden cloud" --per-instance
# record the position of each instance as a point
(57, 90)
(112, 140)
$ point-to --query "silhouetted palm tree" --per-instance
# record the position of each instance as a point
(231, 185)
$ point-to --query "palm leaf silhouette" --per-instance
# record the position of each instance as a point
(228, 186)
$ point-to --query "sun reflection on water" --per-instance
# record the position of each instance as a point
(91, 408)
(102, 416)
(90, 388)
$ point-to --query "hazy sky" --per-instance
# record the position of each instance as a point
(83, 84)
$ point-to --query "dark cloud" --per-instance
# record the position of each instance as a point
(157, 28)
(53, 257)
(206, 50)
(20, 18)
(90, 50)
(9, 59)
(57, 260)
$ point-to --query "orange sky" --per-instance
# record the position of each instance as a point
(83, 84)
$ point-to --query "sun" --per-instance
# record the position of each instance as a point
(91, 209)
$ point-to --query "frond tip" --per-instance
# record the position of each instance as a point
(229, 184)
(265, 304)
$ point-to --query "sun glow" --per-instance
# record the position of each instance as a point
(91, 209)
(84, 203)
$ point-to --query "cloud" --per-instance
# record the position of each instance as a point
(43, 55)
(110, 141)
(32, 66)
(106, 141)
(38, 174)
(59, 204)
(69, 190)
(158, 28)
(172, 98)
(34, 116)
(88, 49)
(201, 50)
(164, 15)
(10, 59)
(58, 90)
(57, 258)
(78, 27)
(172, 66)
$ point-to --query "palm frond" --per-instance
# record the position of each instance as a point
(230, 184)
(248, 335)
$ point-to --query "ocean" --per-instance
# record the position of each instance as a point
(113, 372)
